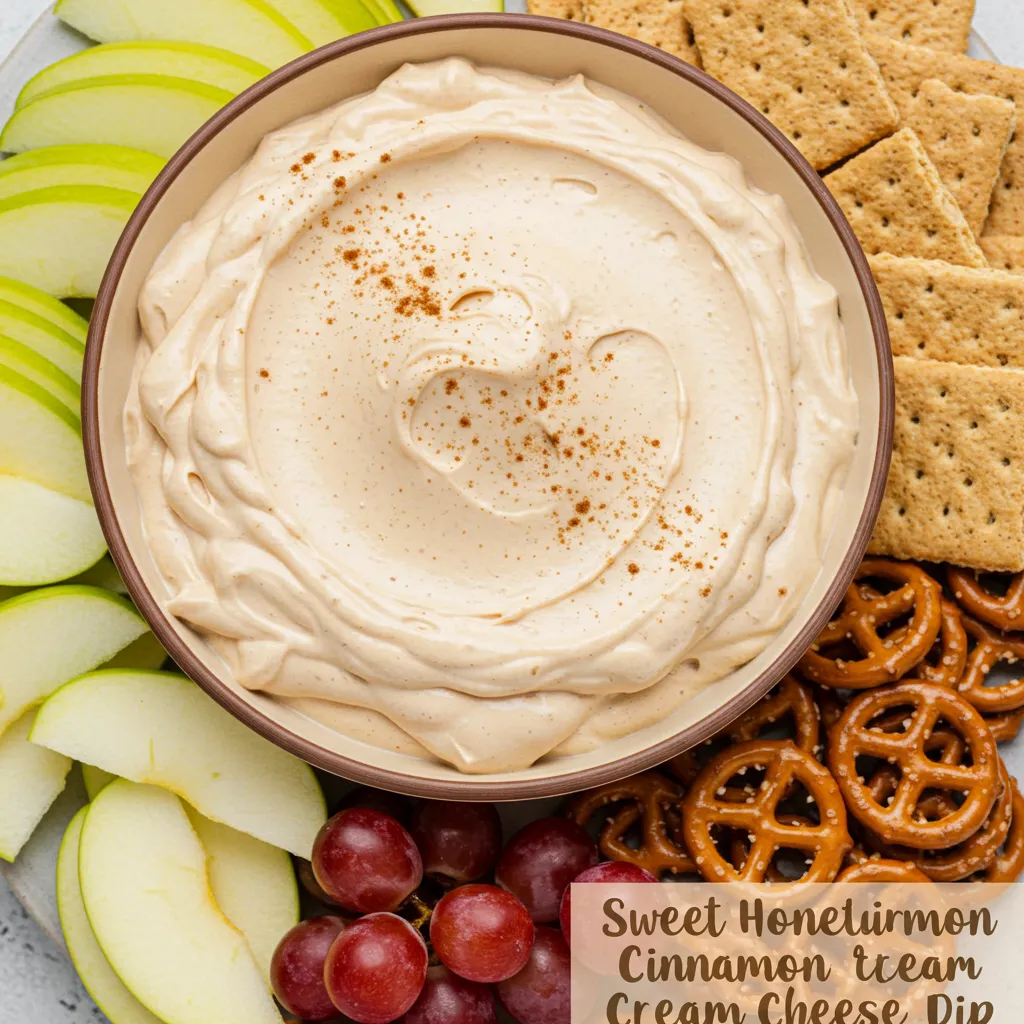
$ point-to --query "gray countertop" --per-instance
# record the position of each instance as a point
(37, 983)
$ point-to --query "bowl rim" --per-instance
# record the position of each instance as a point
(468, 787)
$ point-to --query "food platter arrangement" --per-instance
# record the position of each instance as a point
(195, 871)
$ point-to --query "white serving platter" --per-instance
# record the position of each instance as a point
(31, 877)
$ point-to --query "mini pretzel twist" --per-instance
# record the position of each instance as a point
(976, 853)
(881, 870)
(863, 612)
(791, 697)
(1006, 726)
(1008, 863)
(708, 805)
(857, 734)
(649, 800)
(991, 647)
(1002, 611)
(950, 650)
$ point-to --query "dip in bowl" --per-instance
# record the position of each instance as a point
(486, 426)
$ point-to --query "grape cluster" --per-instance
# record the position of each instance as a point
(420, 935)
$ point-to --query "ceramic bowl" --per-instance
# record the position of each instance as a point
(702, 109)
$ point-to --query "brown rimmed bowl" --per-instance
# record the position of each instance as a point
(701, 108)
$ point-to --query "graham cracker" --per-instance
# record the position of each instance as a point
(1005, 252)
(894, 199)
(803, 65)
(567, 10)
(658, 22)
(938, 24)
(956, 489)
(906, 68)
(966, 137)
(952, 314)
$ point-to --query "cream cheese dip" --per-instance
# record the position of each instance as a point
(485, 418)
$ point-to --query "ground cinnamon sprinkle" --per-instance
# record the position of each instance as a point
(450, 385)
(633, 568)
(265, 374)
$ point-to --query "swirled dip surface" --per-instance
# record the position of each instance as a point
(485, 418)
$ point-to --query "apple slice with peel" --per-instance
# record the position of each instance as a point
(199, 63)
(48, 637)
(31, 778)
(96, 780)
(40, 439)
(425, 8)
(161, 728)
(41, 371)
(41, 335)
(385, 11)
(105, 987)
(60, 239)
(111, 166)
(45, 536)
(323, 21)
(115, 110)
(38, 304)
(253, 28)
(253, 883)
(143, 655)
(147, 895)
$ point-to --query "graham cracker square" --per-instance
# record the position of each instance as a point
(1005, 252)
(803, 65)
(956, 486)
(938, 24)
(906, 68)
(952, 314)
(894, 199)
(567, 10)
(966, 137)
(658, 22)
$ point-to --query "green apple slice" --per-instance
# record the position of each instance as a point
(40, 439)
(115, 110)
(253, 28)
(96, 780)
(161, 728)
(110, 166)
(425, 8)
(385, 11)
(103, 574)
(41, 335)
(38, 304)
(147, 895)
(59, 239)
(144, 655)
(48, 637)
(23, 360)
(199, 63)
(323, 21)
(98, 977)
(253, 883)
(31, 778)
(45, 536)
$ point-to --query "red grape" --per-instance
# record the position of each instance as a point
(394, 805)
(540, 992)
(609, 871)
(541, 860)
(297, 969)
(448, 999)
(458, 841)
(481, 932)
(366, 861)
(376, 968)
(313, 888)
